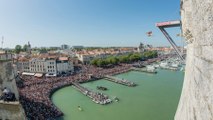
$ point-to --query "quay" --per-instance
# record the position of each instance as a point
(144, 70)
(96, 97)
(120, 81)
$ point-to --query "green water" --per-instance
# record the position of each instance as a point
(155, 98)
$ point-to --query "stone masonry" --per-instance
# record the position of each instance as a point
(9, 110)
(196, 102)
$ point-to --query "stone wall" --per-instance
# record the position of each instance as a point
(196, 101)
(12, 110)
(7, 77)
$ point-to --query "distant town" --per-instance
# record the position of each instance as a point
(55, 61)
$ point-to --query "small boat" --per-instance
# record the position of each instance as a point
(101, 88)
(116, 99)
(79, 108)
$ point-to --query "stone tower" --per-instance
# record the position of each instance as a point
(9, 110)
(141, 47)
(196, 102)
(29, 48)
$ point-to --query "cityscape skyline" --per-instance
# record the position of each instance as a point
(88, 23)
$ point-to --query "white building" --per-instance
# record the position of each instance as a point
(85, 58)
(37, 65)
(64, 65)
(50, 66)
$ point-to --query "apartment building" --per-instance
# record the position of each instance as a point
(50, 66)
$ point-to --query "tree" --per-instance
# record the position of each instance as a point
(43, 50)
(94, 62)
(18, 49)
(99, 63)
(124, 59)
(25, 47)
(114, 60)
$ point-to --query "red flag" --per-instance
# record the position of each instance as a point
(149, 33)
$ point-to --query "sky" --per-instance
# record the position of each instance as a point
(46, 23)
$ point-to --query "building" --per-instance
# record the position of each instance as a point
(45, 64)
(85, 58)
(64, 46)
(77, 47)
(64, 65)
(37, 65)
(23, 65)
(5, 56)
(50, 67)
(141, 47)
(29, 48)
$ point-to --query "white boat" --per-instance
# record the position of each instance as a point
(164, 64)
(175, 65)
(150, 68)
(156, 66)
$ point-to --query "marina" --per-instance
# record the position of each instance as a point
(155, 95)
(120, 81)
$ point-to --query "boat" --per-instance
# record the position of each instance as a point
(151, 69)
(79, 108)
(108, 100)
(116, 99)
(101, 88)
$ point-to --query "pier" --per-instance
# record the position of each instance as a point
(144, 70)
(96, 97)
(120, 81)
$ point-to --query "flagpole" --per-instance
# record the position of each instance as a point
(2, 42)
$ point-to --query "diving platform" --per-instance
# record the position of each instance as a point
(120, 81)
(96, 97)
(168, 24)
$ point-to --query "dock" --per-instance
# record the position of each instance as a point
(120, 81)
(96, 97)
(144, 70)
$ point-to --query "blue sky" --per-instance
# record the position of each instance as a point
(85, 22)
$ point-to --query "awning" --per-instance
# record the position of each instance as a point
(26, 73)
(38, 75)
(50, 75)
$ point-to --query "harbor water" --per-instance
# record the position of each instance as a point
(155, 97)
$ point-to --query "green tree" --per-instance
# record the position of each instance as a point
(114, 60)
(99, 63)
(94, 62)
(18, 49)
(43, 50)
(124, 59)
(25, 47)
